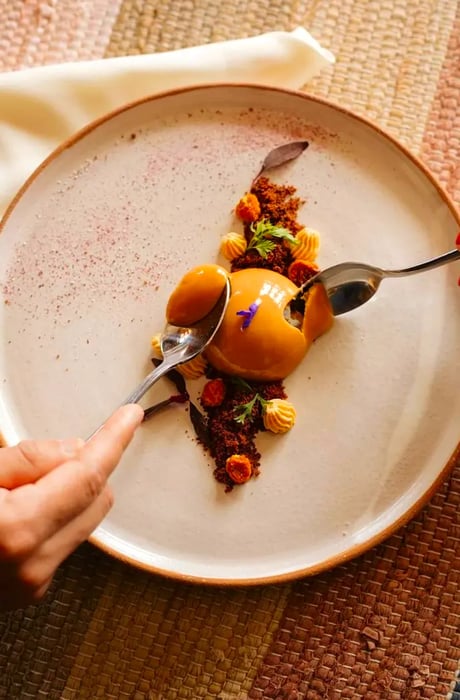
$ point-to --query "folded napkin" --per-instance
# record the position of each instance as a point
(41, 107)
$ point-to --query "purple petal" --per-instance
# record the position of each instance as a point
(248, 315)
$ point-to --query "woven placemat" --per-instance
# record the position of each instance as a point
(383, 626)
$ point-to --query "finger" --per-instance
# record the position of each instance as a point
(106, 447)
(55, 550)
(29, 460)
(62, 494)
(457, 243)
(16, 594)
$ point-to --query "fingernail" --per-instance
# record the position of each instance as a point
(457, 240)
(71, 446)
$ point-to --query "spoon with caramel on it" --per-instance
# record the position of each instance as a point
(197, 323)
(349, 285)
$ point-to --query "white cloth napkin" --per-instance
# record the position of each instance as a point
(41, 107)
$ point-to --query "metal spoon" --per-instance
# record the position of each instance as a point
(180, 344)
(349, 285)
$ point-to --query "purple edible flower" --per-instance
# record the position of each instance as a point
(248, 314)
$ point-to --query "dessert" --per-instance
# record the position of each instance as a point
(279, 416)
(267, 328)
(232, 245)
(268, 347)
(306, 248)
(195, 295)
(239, 468)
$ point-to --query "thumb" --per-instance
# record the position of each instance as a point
(29, 460)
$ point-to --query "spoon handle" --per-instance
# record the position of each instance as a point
(149, 381)
(427, 265)
(144, 386)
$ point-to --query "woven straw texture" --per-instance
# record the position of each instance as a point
(383, 626)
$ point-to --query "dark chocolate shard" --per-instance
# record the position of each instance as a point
(179, 382)
(156, 408)
(176, 398)
(200, 425)
(281, 155)
(198, 420)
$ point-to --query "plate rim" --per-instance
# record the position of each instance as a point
(404, 518)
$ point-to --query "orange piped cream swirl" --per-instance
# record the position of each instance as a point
(156, 345)
(232, 245)
(193, 369)
(279, 415)
(306, 247)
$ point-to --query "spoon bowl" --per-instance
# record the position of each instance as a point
(350, 285)
(181, 344)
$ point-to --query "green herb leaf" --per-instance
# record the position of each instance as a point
(245, 409)
(264, 248)
(262, 234)
(279, 232)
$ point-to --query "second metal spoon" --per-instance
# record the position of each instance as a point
(349, 285)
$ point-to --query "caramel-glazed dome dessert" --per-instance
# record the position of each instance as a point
(256, 340)
(269, 347)
(196, 294)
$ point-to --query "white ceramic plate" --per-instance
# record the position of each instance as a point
(92, 247)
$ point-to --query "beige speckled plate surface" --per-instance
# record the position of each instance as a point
(90, 251)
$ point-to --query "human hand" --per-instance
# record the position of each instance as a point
(53, 494)
(457, 243)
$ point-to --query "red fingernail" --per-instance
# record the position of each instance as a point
(457, 240)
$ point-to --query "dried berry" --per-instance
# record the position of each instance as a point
(300, 271)
(213, 393)
(239, 468)
(248, 208)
